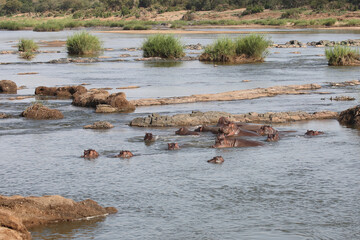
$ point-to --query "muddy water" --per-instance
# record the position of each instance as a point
(298, 188)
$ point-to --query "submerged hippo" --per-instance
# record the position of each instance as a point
(223, 121)
(173, 146)
(90, 153)
(273, 137)
(224, 142)
(149, 137)
(216, 160)
(265, 130)
(233, 129)
(313, 133)
(185, 131)
(205, 128)
(125, 154)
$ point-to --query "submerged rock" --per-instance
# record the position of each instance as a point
(205, 57)
(350, 117)
(39, 112)
(3, 115)
(18, 213)
(99, 125)
(212, 117)
(8, 86)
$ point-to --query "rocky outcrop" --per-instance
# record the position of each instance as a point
(99, 125)
(345, 84)
(210, 118)
(39, 112)
(327, 43)
(350, 117)
(18, 213)
(7, 86)
(291, 44)
(194, 46)
(103, 101)
(60, 92)
(230, 96)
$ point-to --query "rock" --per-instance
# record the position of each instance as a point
(61, 92)
(118, 101)
(350, 117)
(105, 108)
(12, 227)
(18, 213)
(99, 125)
(345, 84)
(212, 117)
(7, 86)
(91, 98)
(230, 96)
(194, 46)
(3, 115)
(28, 73)
(38, 111)
(342, 98)
(128, 87)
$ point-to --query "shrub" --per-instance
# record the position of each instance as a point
(329, 22)
(253, 9)
(27, 45)
(83, 43)
(342, 56)
(49, 26)
(165, 46)
(11, 25)
(253, 46)
(291, 13)
(221, 49)
(27, 55)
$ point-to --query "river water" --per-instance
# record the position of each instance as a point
(297, 188)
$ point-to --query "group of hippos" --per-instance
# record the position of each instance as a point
(228, 134)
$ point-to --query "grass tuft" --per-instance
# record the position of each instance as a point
(27, 45)
(165, 46)
(83, 43)
(342, 56)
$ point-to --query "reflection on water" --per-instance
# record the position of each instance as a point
(298, 188)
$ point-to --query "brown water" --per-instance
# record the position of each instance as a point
(297, 188)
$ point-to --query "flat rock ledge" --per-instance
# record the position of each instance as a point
(230, 96)
(209, 118)
(18, 213)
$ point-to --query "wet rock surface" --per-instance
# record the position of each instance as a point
(229, 96)
(40, 112)
(344, 84)
(8, 86)
(4, 115)
(60, 92)
(99, 125)
(18, 213)
(212, 117)
(350, 117)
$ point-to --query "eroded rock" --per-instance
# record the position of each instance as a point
(61, 92)
(39, 112)
(8, 86)
(350, 117)
(99, 125)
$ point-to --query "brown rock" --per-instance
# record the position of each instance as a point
(39, 112)
(99, 125)
(118, 100)
(61, 92)
(7, 86)
(12, 227)
(350, 117)
(105, 108)
(3, 115)
(90, 99)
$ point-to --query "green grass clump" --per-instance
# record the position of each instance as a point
(83, 43)
(165, 46)
(49, 26)
(11, 25)
(342, 56)
(27, 45)
(27, 55)
(291, 13)
(252, 46)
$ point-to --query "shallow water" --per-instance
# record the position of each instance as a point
(298, 188)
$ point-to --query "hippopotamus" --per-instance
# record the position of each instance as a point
(223, 142)
(223, 121)
(205, 128)
(273, 137)
(173, 146)
(216, 160)
(265, 130)
(313, 133)
(185, 131)
(125, 154)
(90, 153)
(149, 137)
(232, 129)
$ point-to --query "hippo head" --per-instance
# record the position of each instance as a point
(182, 131)
(266, 129)
(273, 137)
(216, 160)
(90, 153)
(313, 133)
(199, 129)
(125, 154)
(173, 146)
(229, 129)
(149, 137)
(220, 141)
(223, 121)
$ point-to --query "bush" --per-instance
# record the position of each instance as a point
(342, 56)
(253, 9)
(83, 43)
(328, 22)
(291, 13)
(165, 46)
(11, 25)
(253, 46)
(221, 49)
(27, 55)
(49, 26)
(27, 45)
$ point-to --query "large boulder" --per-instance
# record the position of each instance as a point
(61, 92)
(38, 111)
(18, 213)
(350, 117)
(91, 98)
(118, 101)
(7, 86)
